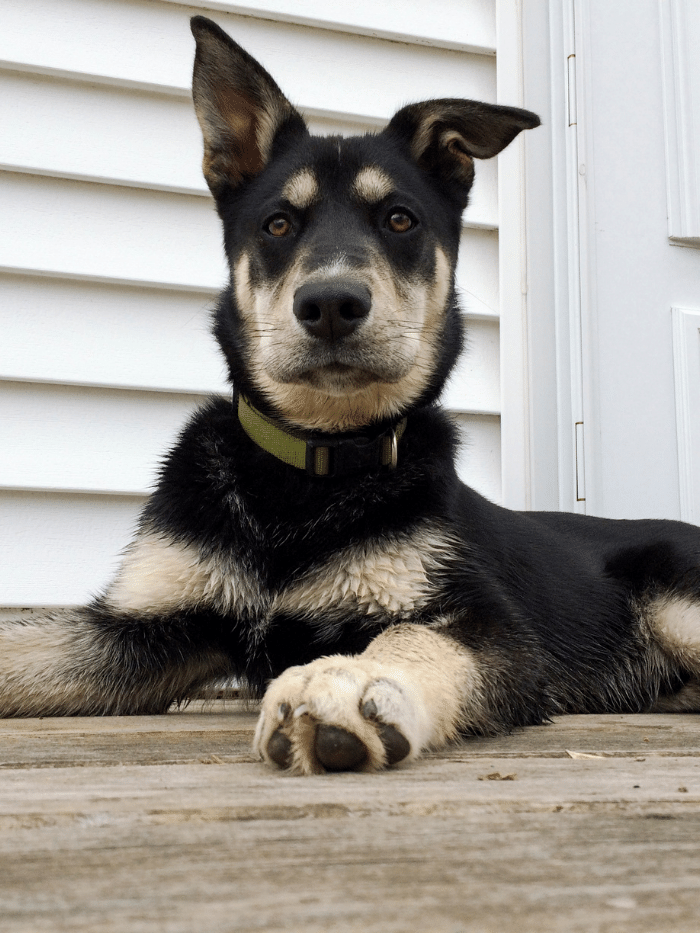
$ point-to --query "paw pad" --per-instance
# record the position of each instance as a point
(337, 714)
(396, 745)
(279, 748)
(339, 750)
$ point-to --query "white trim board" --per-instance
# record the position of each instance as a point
(680, 35)
(686, 359)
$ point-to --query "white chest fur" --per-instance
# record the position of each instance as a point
(392, 576)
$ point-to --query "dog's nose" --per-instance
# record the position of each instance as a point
(331, 310)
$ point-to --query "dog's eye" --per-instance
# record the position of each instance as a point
(400, 222)
(279, 225)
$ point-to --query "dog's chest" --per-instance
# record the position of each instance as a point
(388, 577)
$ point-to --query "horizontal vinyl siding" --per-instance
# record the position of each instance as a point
(59, 549)
(147, 45)
(95, 334)
(479, 458)
(110, 248)
(468, 25)
(86, 439)
(109, 234)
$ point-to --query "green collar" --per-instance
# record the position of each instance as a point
(321, 454)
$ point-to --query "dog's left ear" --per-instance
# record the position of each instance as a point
(445, 136)
(239, 107)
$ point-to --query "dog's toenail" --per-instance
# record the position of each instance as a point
(279, 748)
(339, 750)
(396, 745)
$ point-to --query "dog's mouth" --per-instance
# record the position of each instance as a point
(346, 367)
(343, 387)
(339, 376)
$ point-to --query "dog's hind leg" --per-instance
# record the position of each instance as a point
(674, 623)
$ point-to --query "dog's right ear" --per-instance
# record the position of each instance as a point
(239, 107)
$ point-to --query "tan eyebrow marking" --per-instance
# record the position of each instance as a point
(372, 184)
(301, 189)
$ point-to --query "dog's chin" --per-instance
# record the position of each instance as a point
(335, 398)
(338, 379)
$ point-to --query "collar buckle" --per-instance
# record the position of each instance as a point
(318, 456)
(330, 456)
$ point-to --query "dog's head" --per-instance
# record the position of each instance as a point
(341, 310)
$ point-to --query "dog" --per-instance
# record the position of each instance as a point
(310, 535)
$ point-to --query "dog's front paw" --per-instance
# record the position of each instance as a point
(340, 714)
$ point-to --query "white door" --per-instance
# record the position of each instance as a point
(617, 204)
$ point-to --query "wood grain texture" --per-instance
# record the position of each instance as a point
(169, 824)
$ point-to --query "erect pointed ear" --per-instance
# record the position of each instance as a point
(239, 107)
(445, 136)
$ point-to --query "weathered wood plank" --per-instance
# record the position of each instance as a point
(245, 788)
(168, 843)
(203, 732)
(614, 735)
(199, 715)
(224, 729)
(568, 845)
(52, 750)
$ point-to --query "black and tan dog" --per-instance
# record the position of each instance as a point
(314, 531)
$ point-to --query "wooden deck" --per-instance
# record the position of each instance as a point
(168, 824)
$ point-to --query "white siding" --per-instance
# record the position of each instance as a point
(110, 249)
(58, 549)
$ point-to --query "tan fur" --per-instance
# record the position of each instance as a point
(389, 577)
(59, 664)
(451, 141)
(301, 190)
(672, 624)
(448, 676)
(237, 128)
(405, 317)
(371, 184)
(159, 575)
(675, 625)
(276, 111)
(375, 577)
(224, 117)
(423, 135)
(419, 681)
(44, 649)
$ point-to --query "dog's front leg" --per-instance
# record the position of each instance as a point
(96, 661)
(406, 692)
(159, 633)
